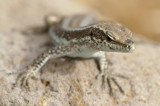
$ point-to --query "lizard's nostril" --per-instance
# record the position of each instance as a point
(129, 41)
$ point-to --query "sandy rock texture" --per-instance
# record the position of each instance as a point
(64, 82)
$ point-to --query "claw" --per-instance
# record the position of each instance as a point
(119, 87)
(110, 87)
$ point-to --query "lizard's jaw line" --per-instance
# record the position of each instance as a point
(121, 48)
(110, 47)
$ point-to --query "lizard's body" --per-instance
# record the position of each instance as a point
(61, 34)
(82, 36)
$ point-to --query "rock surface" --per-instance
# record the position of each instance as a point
(72, 82)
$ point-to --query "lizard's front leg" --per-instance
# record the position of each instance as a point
(37, 64)
(108, 75)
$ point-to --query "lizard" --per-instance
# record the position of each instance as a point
(81, 36)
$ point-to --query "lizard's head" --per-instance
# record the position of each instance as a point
(112, 37)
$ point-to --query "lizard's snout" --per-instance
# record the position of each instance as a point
(130, 45)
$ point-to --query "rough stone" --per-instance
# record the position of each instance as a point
(72, 82)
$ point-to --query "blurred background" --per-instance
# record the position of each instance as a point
(141, 16)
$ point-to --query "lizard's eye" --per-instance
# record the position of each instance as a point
(109, 36)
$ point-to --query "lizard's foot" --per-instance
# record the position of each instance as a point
(107, 78)
(23, 78)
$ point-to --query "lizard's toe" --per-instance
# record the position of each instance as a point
(24, 83)
(108, 79)
(23, 79)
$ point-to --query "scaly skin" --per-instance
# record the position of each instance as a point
(85, 37)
